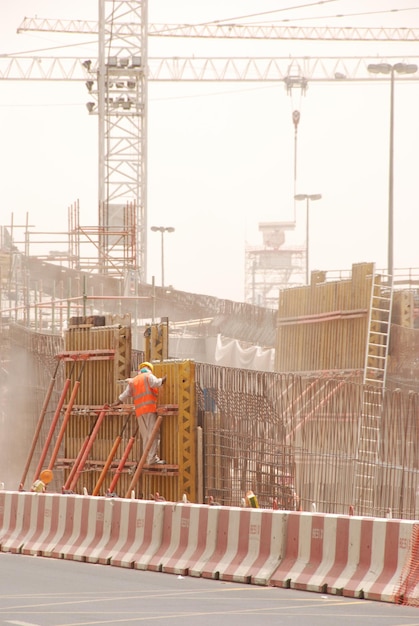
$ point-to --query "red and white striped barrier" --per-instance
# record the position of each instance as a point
(79, 528)
(90, 530)
(140, 533)
(8, 507)
(124, 520)
(8, 515)
(383, 548)
(306, 552)
(20, 517)
(350, 556)
(114, 513)
(343, 555)
(4, 513)
(189, 536)
(46, 525)
(98, 517)
(249, 545)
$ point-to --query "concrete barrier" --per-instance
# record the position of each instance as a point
(91, 545)
(116, 512)
(342, 555)
(307, 555)
(141, 533)
(81, 528)
(249, 545)
(349, 556)
(8, 512)
(383, 550)
(188, 540)
(20, 517)
(133, 532)
(111, 531)
(4, 502)
(47, 524)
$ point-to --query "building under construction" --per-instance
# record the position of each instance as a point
(306, 393)
(332, 424)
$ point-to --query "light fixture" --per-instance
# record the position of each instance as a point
(89, 85)
(87, 64)
(90, 106)
(162, 229)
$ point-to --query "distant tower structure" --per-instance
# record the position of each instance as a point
(273, 266)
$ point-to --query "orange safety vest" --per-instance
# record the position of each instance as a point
(144, 396)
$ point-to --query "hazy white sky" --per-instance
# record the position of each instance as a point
(221, 155)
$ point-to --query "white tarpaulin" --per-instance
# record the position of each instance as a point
(233, 353)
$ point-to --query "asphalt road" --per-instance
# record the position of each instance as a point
(37, 591)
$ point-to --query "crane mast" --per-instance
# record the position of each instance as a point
(117, 86)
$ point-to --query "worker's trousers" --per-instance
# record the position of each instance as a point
(146, 424)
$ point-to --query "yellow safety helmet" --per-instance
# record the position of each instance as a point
(147, 365)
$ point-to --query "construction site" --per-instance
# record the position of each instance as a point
(306, 394)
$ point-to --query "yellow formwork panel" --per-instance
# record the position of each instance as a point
(157, 342)
(324, 326)
(178, 437)
(98, 381)
(177, 447)
(403, 309)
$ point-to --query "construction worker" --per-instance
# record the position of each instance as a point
(144, 391)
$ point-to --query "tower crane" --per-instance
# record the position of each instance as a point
(117, 85)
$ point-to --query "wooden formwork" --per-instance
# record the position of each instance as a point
(324, 326)
(101, 382)
(178, 435)
(98, 382)
(157, 341)
(403, 309)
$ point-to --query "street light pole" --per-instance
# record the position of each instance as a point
(307, 198)
(162, 230)
(390, 245)
(386, 68)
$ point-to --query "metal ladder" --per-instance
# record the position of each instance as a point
(378, 331)
(375, 371)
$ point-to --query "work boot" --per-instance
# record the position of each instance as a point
(157, 461)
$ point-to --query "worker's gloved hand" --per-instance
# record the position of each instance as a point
(117, 403)
(163, 380)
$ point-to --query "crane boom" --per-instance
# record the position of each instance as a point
(231, 31)
(209, 69)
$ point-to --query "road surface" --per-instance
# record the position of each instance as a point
(38, 591)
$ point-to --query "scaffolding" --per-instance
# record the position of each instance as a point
(108, 250)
